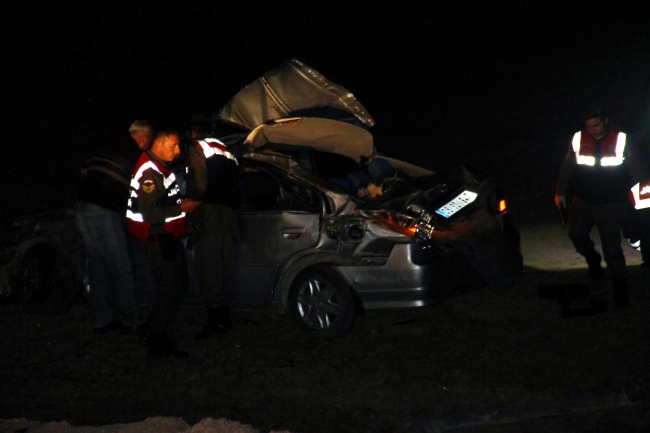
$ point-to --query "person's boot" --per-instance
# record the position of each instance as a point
(596, 271)
(161, 346)
(621, 299)
(218, 322)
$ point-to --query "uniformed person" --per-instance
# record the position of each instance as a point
(156, 215)
(596, 178)
(213, 178)
(639, 214)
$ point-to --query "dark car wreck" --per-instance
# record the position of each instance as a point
(42, 262)
(309, 245)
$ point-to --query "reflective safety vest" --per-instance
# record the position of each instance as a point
(601, 173)
(640, 195)
(137, 225)
(212, 147)
(222, 173)
(612, 151)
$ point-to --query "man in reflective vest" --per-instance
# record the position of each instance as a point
(156, 215)
(213, 178)
(596, 177)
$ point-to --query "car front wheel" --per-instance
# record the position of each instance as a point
(320, 300)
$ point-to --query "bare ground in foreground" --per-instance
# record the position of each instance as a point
(510, 360)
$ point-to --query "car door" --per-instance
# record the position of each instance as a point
(271, 229)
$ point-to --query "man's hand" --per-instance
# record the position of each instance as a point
(188, 205)
(560, 201)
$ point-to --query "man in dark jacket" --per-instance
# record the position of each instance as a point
(213, 179)
(100, 216)
(596, 176)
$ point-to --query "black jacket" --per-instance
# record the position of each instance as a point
(106, 174)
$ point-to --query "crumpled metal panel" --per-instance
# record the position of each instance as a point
(290, 87)
(320, 134)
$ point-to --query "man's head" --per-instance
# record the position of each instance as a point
(166, 144)
(142, 133)
(596, 122)
(200, 126)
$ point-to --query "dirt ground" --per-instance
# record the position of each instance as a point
(479, 363)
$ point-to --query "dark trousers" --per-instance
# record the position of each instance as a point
(608, 219)
(168, 264)
(637, 228)
(644, 234)
(215, 254)
(112, 295)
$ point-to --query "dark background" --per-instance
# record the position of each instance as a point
(498, 88)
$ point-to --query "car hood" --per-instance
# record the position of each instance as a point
(292, 87)
(294, 104)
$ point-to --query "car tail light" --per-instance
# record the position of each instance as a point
(502, 208)
(401, 224)
(397, 222)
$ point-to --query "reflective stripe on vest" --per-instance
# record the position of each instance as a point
(641, 195)
(212, 146)
(606, 160)
(135, 186)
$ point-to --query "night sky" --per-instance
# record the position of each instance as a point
(444, 81)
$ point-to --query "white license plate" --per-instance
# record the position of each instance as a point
(462, 200)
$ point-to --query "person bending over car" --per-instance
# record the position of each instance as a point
(213, 178)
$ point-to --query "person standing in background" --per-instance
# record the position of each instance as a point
(142, 133)
(99, 214)
(595, 175)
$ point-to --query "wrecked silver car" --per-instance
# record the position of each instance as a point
(315, 245)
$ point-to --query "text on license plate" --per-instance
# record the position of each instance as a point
(462, 200)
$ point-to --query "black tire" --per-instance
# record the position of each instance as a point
(47, 281)
(320, 300)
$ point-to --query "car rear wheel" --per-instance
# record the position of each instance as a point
(320, 300)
